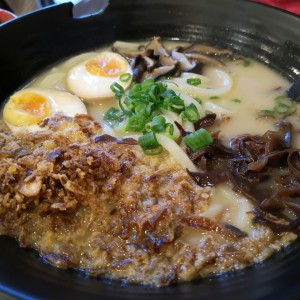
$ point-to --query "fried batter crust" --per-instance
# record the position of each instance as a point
(108, 209)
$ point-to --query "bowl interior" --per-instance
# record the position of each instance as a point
(38, 40)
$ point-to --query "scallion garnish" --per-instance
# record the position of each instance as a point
(117, 89)
(198, 100)
(191, 113)
(281, 108)
(237, 100)
(284, 100)
(150, 144)
(143, 103)
(208, 112)
(169, 129)
(147, 99)
(214, 97)
(198, 139)
(247, 62)
(125, 111)
(141, 109)
(147, 127)
(284, 106)
(267, 112)
(125, 77)
(193, 81)
(135, 123)
(158, 124)
(114, 116)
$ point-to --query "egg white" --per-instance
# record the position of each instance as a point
(94, 88)
(60, 102)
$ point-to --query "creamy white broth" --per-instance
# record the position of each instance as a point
(255, 85)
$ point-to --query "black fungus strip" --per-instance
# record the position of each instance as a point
(209, 178)
(109, 138)
(236, 231)
(182, 131)
(265, 169)
(206, 121)
(276, 225)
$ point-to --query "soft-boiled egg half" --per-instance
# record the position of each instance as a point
(27, 108)
(91, 79)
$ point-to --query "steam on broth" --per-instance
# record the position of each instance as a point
(169, 225)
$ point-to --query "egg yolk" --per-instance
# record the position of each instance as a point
(26, 109)
(106, 66)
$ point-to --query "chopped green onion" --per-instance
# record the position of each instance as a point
(148, 141)
(247, 62)
(214, 97)
(193, 81)
(198, 100)
(191, 113)
(147, 127)
(149, 108)
(208, 112)
(114, 116)
(175, 106)
(125, 77)
(171, 101)
(129, 103)
(155, 151)
(284, 105)
(135, 123)
(280, 98)
(281, 108)
(147, 83)
(140, 109)
(284, 100)
(111, 114)
(169, 129)
(237, 100)
(183, 116)
(117, 88)
(158, 124)
(198, 139)
(155, 113)
(125, 111)
(150, 144)
(267, 112)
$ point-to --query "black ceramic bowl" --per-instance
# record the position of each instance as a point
(36, 41)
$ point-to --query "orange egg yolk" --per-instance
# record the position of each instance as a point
(106, 66)
(26, 109)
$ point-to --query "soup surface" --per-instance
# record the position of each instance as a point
(152, 162)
